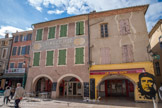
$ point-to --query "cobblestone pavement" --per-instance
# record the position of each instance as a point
(77, 103)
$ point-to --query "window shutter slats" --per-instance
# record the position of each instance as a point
(62, 57)
(39, 35)
(14, 51)
(81, 28)
(49, 59)
(36, 59)
(77, 28)
(19, 50)
(63, 31)
(51, 33)
(79, 57)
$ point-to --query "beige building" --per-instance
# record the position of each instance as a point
(5, 47)
(118, 51)
(155, 36)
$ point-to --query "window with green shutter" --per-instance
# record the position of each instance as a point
(62, 57)
(51, 33)
(80, 28)
(79, 56)
(36, 59)
(49, 58)
(39, 34)
(63, 31)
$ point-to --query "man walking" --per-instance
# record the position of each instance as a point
(19, 93)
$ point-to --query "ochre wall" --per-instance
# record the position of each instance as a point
(134, 77)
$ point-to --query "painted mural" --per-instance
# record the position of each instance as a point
(146, 86)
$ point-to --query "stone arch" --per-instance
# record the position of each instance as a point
(38, 77)
(62, 77)
(111, 77)
(66, 75)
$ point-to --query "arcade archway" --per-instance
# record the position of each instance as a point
(116, 86)
(70, 86)
(43, 85)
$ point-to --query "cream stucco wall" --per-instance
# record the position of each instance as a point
(138, 37)
(155, 37)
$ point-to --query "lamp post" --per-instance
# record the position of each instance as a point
(26, 71)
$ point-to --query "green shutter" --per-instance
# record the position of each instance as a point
(51, 33)
(81, 28)
(36, 59)
(63, 31)
(79, 56)
(39, 34)
(77, 28)
(49, 58)
(62, 57)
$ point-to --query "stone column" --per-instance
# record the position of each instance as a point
(54, 93)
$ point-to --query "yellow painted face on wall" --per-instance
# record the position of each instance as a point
(146, 83)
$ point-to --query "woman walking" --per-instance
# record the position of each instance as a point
(6, 95)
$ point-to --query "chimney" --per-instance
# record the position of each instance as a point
(94, 11)
(7, 35)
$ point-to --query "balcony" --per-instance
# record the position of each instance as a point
(15, 70)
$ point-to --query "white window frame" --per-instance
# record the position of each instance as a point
(3, 52)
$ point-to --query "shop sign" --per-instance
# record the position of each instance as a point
(117, 71)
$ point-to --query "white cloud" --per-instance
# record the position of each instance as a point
(46, 18)
(153, 14)
(39, 8)
(29, 28)
(36, 4)
(9, 29)
(86, 6)
(55, 12)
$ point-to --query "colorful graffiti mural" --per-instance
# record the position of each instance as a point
(146, 85)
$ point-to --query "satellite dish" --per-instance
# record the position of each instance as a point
(160, 92)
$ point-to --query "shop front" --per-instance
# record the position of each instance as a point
(129, 80)
(116, 88)
(70, 86)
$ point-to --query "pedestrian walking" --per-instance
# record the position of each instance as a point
(19, 93)
(12, 92)
(6, 95)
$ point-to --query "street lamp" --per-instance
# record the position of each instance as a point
(26, 71)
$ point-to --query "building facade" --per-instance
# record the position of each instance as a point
(155, 37)
(120, 64)
(59, 58)
(5, 47)
(19, 59)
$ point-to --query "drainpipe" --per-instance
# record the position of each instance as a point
(10, 52)
(89, 60)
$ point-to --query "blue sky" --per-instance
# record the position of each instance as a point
(20, 14)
